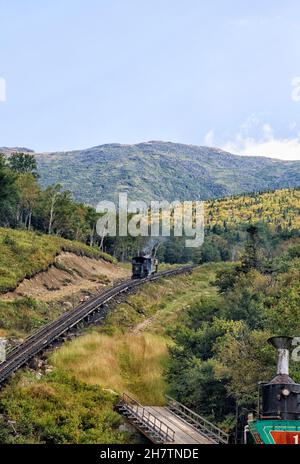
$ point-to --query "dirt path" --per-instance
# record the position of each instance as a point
(142, 326)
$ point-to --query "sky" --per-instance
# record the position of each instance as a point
(81, 73)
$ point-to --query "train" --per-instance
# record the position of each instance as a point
(278, 419)
(144, 266)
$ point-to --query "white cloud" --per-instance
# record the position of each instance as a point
(209, 138)
(257, 138)
(286, 149)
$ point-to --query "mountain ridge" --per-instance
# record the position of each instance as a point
(157, 170)
(11, 150)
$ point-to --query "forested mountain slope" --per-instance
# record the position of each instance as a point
(162, 170)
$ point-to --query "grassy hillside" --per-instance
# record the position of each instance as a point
(58, 409)
(217, 342)
(129, 353)
(73, 403)
(23, 254)
(124, 363)
(209, 340)
(161, 302)
(161, 170)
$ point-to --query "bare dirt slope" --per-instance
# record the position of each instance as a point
(70, 274)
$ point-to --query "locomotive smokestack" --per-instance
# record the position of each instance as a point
(280, 398)
(282, 345)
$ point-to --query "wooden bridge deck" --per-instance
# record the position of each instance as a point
(184, 433)
(173, 424)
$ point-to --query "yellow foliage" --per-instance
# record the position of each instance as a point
(280, 207)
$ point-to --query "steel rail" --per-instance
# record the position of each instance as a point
(50, 332)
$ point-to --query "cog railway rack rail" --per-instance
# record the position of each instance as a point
(49, 333)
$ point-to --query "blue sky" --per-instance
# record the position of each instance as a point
(84, 73)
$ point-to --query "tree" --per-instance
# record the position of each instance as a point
(252, 258)
(91, 218)
(23, 163)
(28, 195)
(6, 180)
(51, 194)
(8, 191)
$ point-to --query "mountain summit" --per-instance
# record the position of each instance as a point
(162, 170)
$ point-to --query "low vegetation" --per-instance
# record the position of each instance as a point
(22, 316)
(201, 337)
(123, 363)
(24, 254)
(156, 170)
(58, 409)
(161, 302)
(213, 322)
(129, 353)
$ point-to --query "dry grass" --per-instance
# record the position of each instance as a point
(163, 301)
(124, 360)
(124, 363)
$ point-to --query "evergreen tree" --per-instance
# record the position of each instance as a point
(23, 163)
(252, 258)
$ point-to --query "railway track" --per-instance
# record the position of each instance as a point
(51, 332)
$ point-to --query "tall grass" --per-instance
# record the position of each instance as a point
(124, 363)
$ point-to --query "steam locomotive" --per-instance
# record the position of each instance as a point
(278, 420)
(144, 266)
